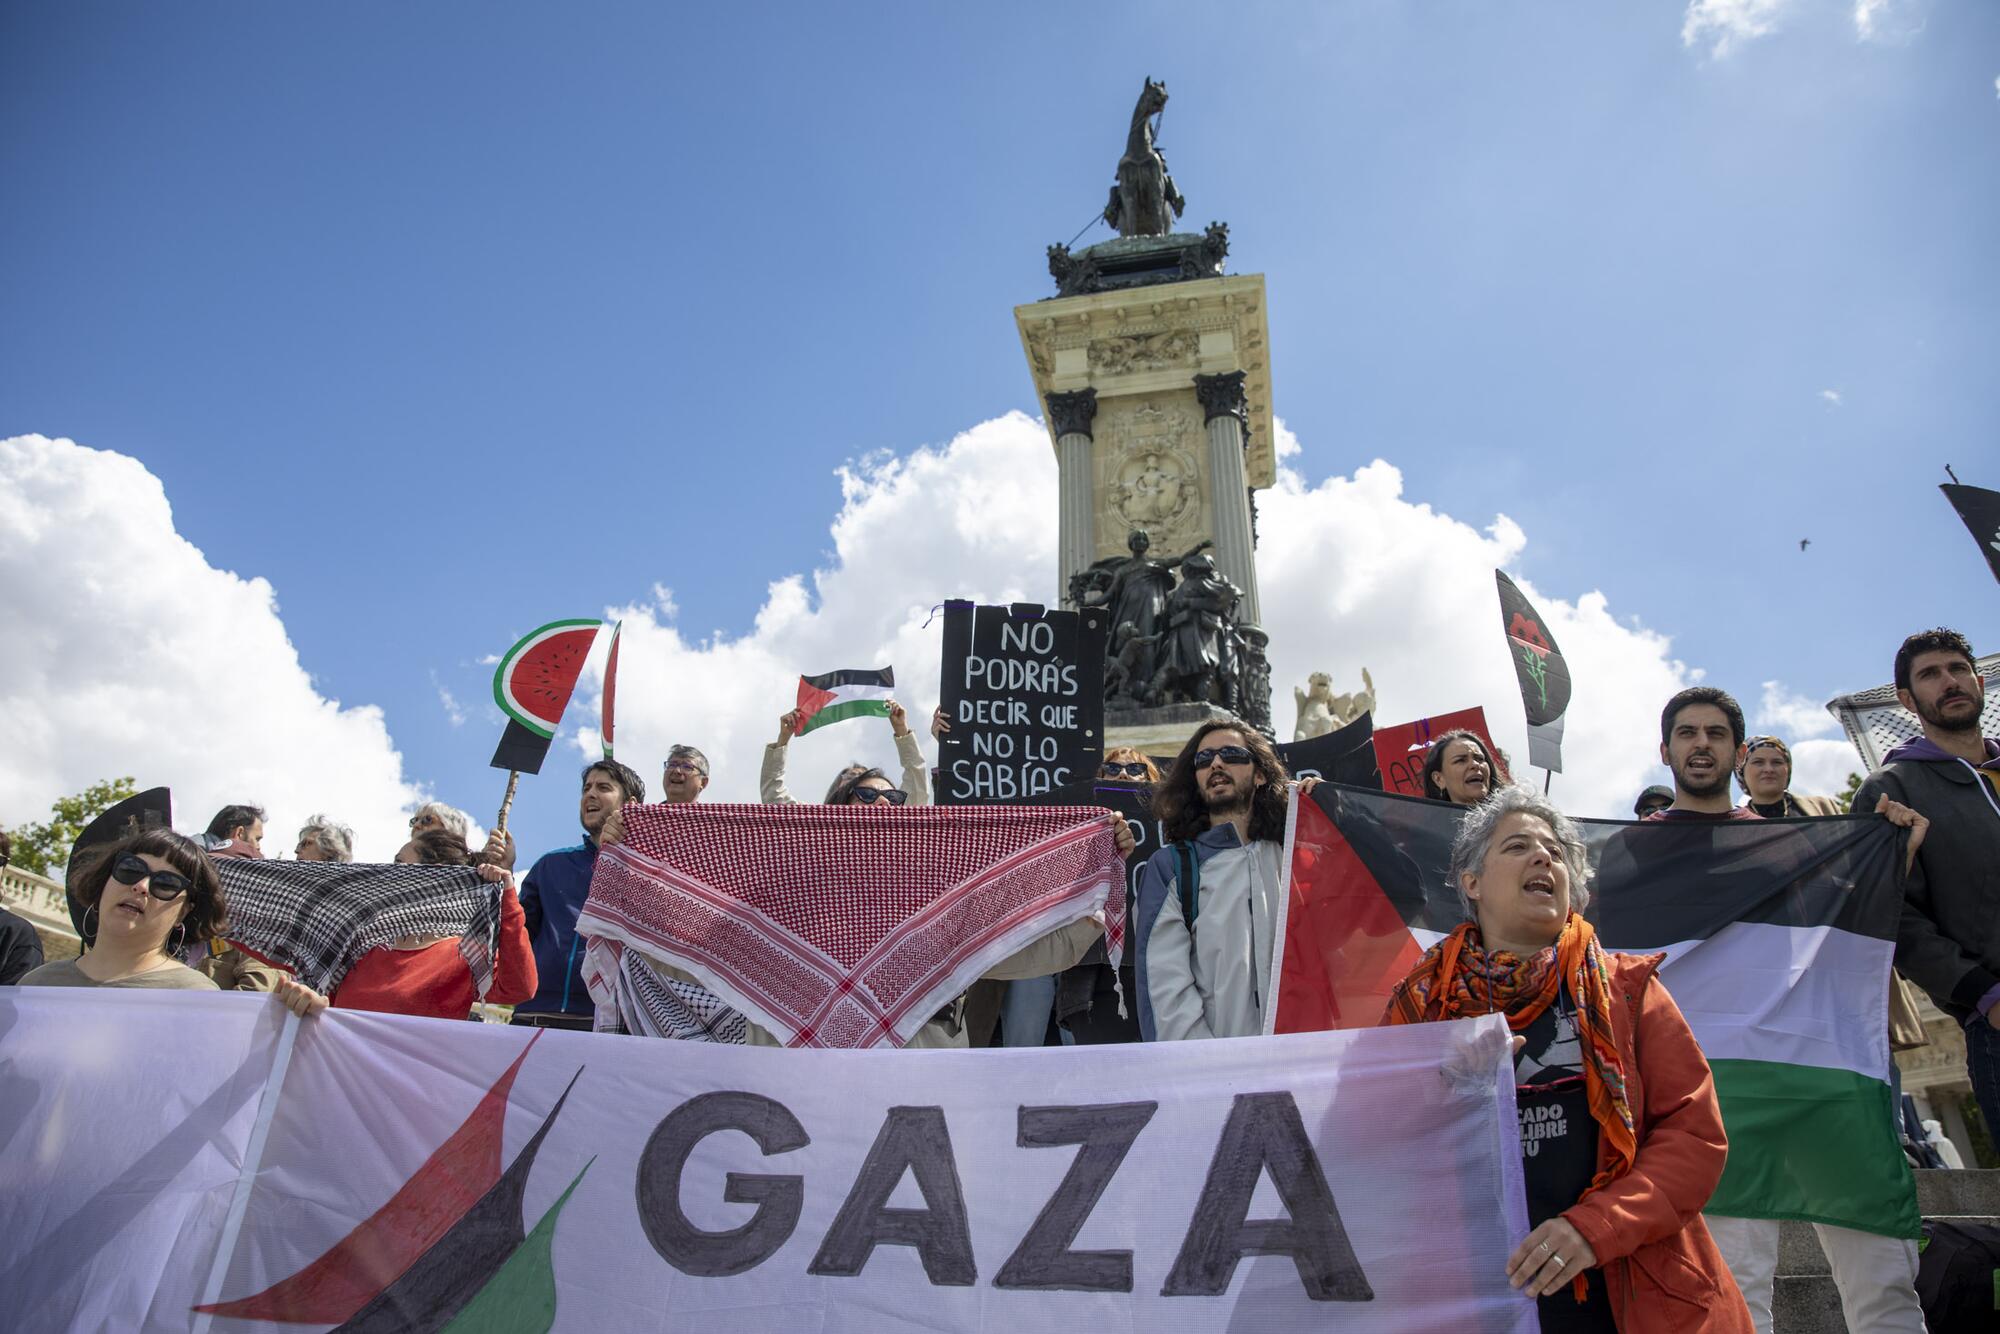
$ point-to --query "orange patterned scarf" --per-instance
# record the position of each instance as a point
(1458, 979)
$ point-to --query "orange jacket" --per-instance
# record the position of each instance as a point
(1660, 1267)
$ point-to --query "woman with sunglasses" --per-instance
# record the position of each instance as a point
(916, 789)
(144, 899)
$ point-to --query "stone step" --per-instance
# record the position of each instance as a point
(1942, 1193)
(1806, 1304)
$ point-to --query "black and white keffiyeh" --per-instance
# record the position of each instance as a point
(317, 918)
(657, 1006)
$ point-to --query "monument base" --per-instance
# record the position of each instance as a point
(1162, 730)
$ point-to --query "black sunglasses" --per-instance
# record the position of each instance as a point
(1227, 754)
(868, 796)
(166, 886)
(1111, 770)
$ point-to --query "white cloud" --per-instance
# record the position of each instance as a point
(1831, 397)
(1722, 24)
(128, 653)
(1887, 21)
(1352, 575)
(452, 710)
(1791, 716)
(1820, 768)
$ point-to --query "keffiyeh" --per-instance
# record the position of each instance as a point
(651, 1004)
(845, 926)
(317, 918)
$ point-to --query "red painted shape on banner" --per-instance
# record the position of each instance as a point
(391, 1239)
(1346, 944)
(1399, 750)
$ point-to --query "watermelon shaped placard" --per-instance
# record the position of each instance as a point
(532, 686)
(611, 687)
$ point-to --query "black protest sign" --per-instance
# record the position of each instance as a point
(1023, 688)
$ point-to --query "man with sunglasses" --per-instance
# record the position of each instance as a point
(552, 897)
(685, 777)
(1209, 898)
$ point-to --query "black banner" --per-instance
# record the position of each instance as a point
(521, 749)
(1344, 755)
(1980, 509)
(1023, 688)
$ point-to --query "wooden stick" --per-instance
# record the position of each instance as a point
(507, 802)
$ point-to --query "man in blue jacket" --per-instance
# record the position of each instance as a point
(552, 896)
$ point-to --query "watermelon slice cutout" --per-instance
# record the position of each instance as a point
(611, 688)
(534, 681)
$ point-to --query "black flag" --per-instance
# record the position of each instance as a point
(1980, 509)
(1543, 674)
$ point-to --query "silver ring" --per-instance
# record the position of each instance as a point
(1547, 1247)
(1560, 1262)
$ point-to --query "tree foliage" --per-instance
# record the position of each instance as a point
(1846, 797)
(44, 848)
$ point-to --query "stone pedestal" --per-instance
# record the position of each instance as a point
(1159, 731)
(1153, 453)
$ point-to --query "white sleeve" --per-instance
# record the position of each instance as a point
(1178, 1013)
(771, 779)
(916, 771)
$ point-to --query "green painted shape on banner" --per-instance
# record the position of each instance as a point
(521, 1297)
(1812, 1144)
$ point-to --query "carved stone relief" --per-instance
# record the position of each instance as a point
(1151, 473)
(1145, 352)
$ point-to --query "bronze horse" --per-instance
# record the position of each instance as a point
(1144, 202)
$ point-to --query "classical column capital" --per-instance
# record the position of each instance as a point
(1223, 396)
(1071, 413)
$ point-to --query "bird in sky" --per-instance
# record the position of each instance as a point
(1804, 542)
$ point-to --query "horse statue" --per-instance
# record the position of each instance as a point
(1144, 202)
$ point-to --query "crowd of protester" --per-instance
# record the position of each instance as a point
(1618, 1241)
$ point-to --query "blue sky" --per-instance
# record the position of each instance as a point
(451, 319)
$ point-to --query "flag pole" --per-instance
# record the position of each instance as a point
(507, 802)
(1548, 776)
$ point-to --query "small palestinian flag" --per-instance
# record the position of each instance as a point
(834, 697)
(1778, 936)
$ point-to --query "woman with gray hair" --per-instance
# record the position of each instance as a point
(324, 839)
(1621, 1134)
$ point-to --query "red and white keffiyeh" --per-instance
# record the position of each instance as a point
(845, 926)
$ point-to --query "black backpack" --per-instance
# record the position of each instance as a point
(1958, 1278)
(1190, 884)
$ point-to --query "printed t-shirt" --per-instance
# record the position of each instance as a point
(1558, 1150)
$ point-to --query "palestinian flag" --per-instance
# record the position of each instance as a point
(1779, 936)
(837, 696)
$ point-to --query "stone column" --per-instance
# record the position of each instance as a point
(1071, 415)
(1228, 416)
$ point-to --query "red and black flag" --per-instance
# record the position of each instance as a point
(1543, 674)
(1980, 509)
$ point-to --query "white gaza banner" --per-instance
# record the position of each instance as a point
(178, 1160)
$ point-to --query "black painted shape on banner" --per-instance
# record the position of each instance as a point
(779, 1199)
(913, 1140)
(432, 1291)
(521, 749)
(1980, 509)
(1023, 688)
(1538, 663)
(1265, 1133)
(1044, 1261)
